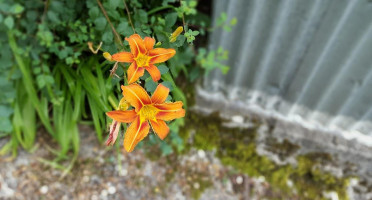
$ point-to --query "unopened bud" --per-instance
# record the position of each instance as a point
(123, 105)
(108, 56)
(175, 34)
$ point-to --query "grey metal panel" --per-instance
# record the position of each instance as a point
(309, 61)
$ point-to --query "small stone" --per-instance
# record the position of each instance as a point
(104, 193)
(239, 180)
(85, 179)
(123, 172)
(331, 195)
(289, 183)
(65, 197)
(196, 185)
(201, 153)
(261, 179)
(229, 186)
(94, 197)
(237, 119)
(44, 189)
(111, 190)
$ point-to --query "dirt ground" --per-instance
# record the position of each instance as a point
(105, 173)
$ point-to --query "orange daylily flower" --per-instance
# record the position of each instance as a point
(143, 56)
(147, 111)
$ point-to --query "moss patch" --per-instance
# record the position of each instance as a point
(237, 147)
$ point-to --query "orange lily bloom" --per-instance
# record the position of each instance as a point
(143, 56)
(147, 111)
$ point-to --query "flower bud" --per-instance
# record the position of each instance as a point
(108, 56)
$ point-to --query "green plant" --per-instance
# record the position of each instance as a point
(51, 78)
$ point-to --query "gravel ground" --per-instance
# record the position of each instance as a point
(97, 174)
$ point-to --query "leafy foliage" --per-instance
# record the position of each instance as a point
(213, 59)
(50, 78)
(224, 23)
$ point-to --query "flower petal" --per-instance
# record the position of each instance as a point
(170, 111)
(136, 44)
(169, 106)
(159, 55)
(154, 72)
(123, 57)
(160, 94)
(160, 128)
(122, 116)
(114, 132)
(149, 43)
(136, 96)
(170, 115)
(134, 72)
(135, 133)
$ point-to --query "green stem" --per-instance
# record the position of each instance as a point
(159, 9)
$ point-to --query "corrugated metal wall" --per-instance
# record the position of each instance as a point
(307, 61)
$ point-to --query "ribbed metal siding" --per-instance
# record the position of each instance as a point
(308, 61)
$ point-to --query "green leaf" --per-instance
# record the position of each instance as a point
(124, 28)
(100, 23)
(233, 21)
(150, 85)
(5, 125)
(163, 69)
(9, 22)
(1, 18)
(168, 84)
(40, 79)
(193, 3)
(114, 4)
(93, 12)
(142, 16)
(5, 111)
(108, 37)
(53, 17)
(16, 9)
(166, 149)
(180, 41)
(37, 70)
(170, 19)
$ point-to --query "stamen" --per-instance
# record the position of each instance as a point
(148, 112)
(142, 60)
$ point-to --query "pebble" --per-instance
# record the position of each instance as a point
(201, 153)
(196, 185)
(239, 180)
(289, 183)
(44, 189)
(261, 179)
(237, 119)
(94, 197)
(111, 190)
(123, 172)
(104, 193)
(85, 179)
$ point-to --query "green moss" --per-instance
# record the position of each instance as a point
(237, 147)
(203, 184)
(282, 149)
